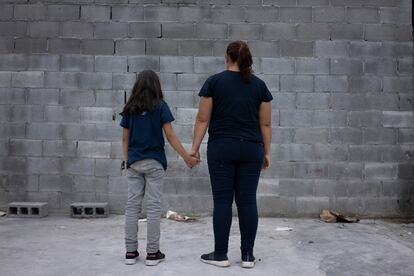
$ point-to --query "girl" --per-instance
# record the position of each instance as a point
(144, 117)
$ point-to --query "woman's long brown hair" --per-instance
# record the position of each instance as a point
(239, 52)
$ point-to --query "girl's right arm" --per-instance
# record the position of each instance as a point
(125, 139)
(172, 138)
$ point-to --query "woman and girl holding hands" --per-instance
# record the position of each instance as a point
(235, 108)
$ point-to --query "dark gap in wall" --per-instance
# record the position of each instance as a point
(110, 13)
(125, 97)
(79, 15)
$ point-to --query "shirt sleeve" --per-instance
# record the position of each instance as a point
(266, 95)
(166, 115)
(124, 121)
(206, 90)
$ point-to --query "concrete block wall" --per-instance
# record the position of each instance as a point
(340, 72)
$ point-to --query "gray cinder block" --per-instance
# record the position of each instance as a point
(65, 46)
(77, 29)
(313, 31)
(331, 48)
(329, 14)
(278, 66)
(13, 62)
(362, 15)
(227, 14)
(111, 30)
(27, 209)
(43, 29)
(28, 79)
(89, 209)
(110, 64)
(295, 48)
(211, 30)
(245, 31)
(276, 31)
(161, 47)
(178, 30)
(127, 13)
(76, 63)
(6, 45)
(98, 46)
(13, 29)
(95, 12)
(296, 14)
(180, 64)
(130, 47)
(139, 63)
(62, 12)
(30, 45)
(160, 13)
(30, 11)
(122, 81)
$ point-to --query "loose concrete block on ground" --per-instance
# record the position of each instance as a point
(27, 209)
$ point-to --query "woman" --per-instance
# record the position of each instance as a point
(235, 107)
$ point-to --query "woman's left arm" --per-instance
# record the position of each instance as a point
(265, 118)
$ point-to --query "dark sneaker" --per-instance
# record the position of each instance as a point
(214, 259)
(248, 260)
(154, 258)
(131, 257)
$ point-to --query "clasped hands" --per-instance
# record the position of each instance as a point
(192, 158)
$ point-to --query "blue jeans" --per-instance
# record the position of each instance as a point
(234, 166)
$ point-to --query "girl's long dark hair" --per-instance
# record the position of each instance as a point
(238, 51)
(146, 94)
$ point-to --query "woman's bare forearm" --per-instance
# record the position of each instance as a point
(200, 129)
(267, 137)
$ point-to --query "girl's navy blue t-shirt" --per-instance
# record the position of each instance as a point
(236, 105)
(146, 140)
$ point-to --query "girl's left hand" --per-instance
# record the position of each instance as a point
(192, 160)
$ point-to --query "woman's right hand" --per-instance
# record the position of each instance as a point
(191, 160)
(266, 162)
(194, 153)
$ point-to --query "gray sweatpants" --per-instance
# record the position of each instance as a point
(145, 177)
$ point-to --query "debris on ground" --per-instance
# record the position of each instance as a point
(283, 228)
(331, 217)
(177, 217)
(2, 214)
(411, 225)
(341, 226)
(142, 220)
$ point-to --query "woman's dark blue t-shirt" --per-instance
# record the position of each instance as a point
(236, 105)
(146, 140)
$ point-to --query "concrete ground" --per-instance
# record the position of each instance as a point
(58, 245)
